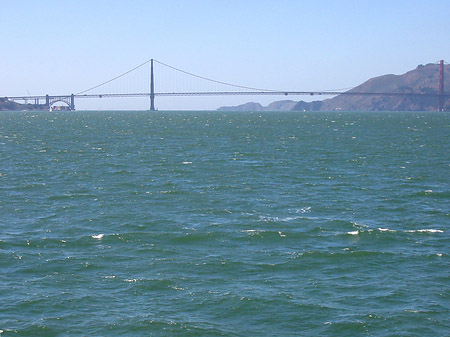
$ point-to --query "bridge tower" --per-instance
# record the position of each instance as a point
(72, 102)
(152, 88)
(441, 86)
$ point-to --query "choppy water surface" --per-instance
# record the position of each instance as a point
(224, 224)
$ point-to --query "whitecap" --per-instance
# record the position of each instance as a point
(359, 225)
(282, 235)
(353, 233)
(426, 231)
(288, 218)
(303, 210)
(176, 288)
(187, 162)
(276, 219)
(386, 230)
(98, 237)
(252, 231)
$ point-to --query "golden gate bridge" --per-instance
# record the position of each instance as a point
(47, 101)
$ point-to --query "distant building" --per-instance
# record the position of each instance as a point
(60, 108)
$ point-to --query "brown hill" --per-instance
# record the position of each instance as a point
(422, 80)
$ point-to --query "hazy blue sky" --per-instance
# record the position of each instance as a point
(58, 46)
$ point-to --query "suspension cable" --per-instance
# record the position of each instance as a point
(187, 73)
(115, 78)
(215, 81)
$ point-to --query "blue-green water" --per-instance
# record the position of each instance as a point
(224, 224)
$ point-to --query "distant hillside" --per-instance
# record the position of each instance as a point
(6, 105)
(423, 79)
(275, 106)
(250, 106)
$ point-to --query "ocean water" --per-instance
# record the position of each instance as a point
(224, 224)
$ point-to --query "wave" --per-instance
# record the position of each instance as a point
(387, 230)
(434, 194)
(341, 253)
(287, 218)
(430, 231)
(262, 233)
(71, 196)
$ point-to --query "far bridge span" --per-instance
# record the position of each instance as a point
(47, 101)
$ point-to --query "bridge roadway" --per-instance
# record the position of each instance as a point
(70, 99)
(222, 93)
